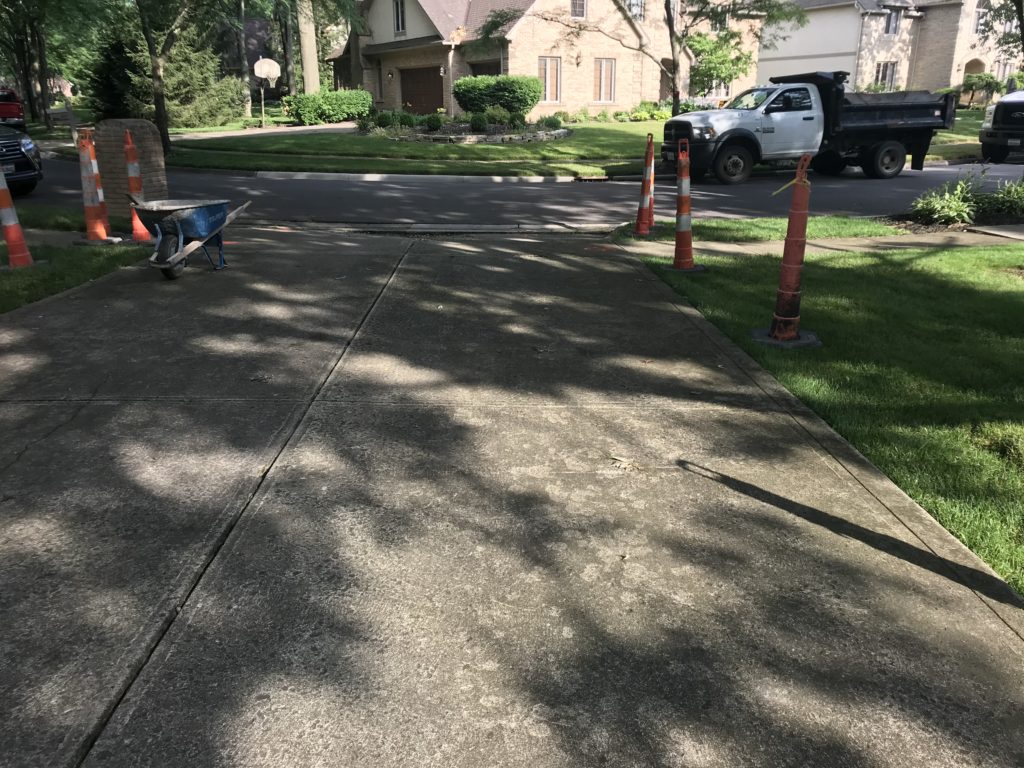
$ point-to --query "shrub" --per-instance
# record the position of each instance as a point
(517, 93)
(952, 203)
(582, 116)
(1006, 203)
(517, 120)
(384, 119)
(433, 122)
(478, 123)
(661, 114)
(622, 117)
(406, 119)
(345, 105)
(306, 108)
(639, 116)
(562, 115)
(474, 94)
(603, 116)
(365, 123)
(497, 115)
(551, 122)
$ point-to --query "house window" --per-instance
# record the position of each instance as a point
(892, 21)
(885, 74)
(604, 80)
(578, 9)
(980, 19)
(399, 6)
(721, 91)
(551, 77)
(636, 9)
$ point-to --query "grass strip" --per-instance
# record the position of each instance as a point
(62, 219)
(765, 229)
(60, 268)
(920, 370)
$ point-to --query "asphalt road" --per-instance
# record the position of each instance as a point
(419, 200)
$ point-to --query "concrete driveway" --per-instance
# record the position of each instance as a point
(427, 502)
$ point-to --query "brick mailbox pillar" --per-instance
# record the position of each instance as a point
(114, 169)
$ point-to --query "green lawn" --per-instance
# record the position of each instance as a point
(961, 141)
(920, 369)
(594, 149)
(767, 228)
(32, 216)
(60, 268)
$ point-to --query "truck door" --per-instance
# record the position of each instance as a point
(791, 124)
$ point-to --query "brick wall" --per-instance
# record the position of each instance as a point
(113, 170)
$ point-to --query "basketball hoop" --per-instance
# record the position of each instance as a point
(266, 70)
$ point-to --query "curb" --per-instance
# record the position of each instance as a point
(372, 228)
(320, 176)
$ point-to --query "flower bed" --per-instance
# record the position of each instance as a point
(487, 138)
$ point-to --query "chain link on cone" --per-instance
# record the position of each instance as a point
(684, 221)
(17, 250)
(642, 227)
(786, 321)
(96, 228)
(131, 157)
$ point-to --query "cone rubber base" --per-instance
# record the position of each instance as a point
(806, 340)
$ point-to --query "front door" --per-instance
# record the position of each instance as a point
(422, 90)
(790, 124)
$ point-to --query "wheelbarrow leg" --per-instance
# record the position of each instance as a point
(220, 251)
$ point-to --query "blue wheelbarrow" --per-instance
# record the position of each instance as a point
(182, 227)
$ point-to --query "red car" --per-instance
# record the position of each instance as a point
(12, 112)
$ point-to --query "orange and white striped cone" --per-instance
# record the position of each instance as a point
(96, 230)
(99, 182)
(17, 250)
(131, 157)
(643, 226)
(683, 260)
(785, 329)
(650, 188)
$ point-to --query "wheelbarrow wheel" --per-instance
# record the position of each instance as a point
(172, 273)
(164, 252)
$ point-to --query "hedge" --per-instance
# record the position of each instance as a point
(511, 92)
(329, 106)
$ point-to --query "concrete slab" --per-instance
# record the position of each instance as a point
(530, 320)
(267, 327)
(138, 417)
(456, 570)
(108, 513)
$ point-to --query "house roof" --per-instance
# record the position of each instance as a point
(870, 6)
(449, 15)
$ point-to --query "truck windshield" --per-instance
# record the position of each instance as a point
(751, 99)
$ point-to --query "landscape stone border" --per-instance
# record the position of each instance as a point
(487, 138)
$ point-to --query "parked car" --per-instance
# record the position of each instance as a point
(20, 161)
(12, 111)
(811, 114)
(1002, 130)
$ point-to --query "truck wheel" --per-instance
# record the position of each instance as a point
(828, 164)
(733, 164)
(993, 153)
(885, 160)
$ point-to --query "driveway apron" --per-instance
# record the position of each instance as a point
(538, 514)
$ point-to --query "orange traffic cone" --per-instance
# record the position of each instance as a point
(642, 228)
(131, 156)
(683, 260)
(96, 229)
(17, 250)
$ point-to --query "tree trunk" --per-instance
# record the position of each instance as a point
(160, 100)
(25, 73)
(675, 45)
(36, 75)
(39, 41)
(307, 48)
(289, 50)
(243, 58)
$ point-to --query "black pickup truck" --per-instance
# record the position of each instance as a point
(1002, 130)
(811, 113)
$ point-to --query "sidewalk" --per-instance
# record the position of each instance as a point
(493, 501)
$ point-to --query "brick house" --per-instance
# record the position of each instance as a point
(416, 49)
(896, 44)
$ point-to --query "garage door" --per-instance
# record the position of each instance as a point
(422, 90)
